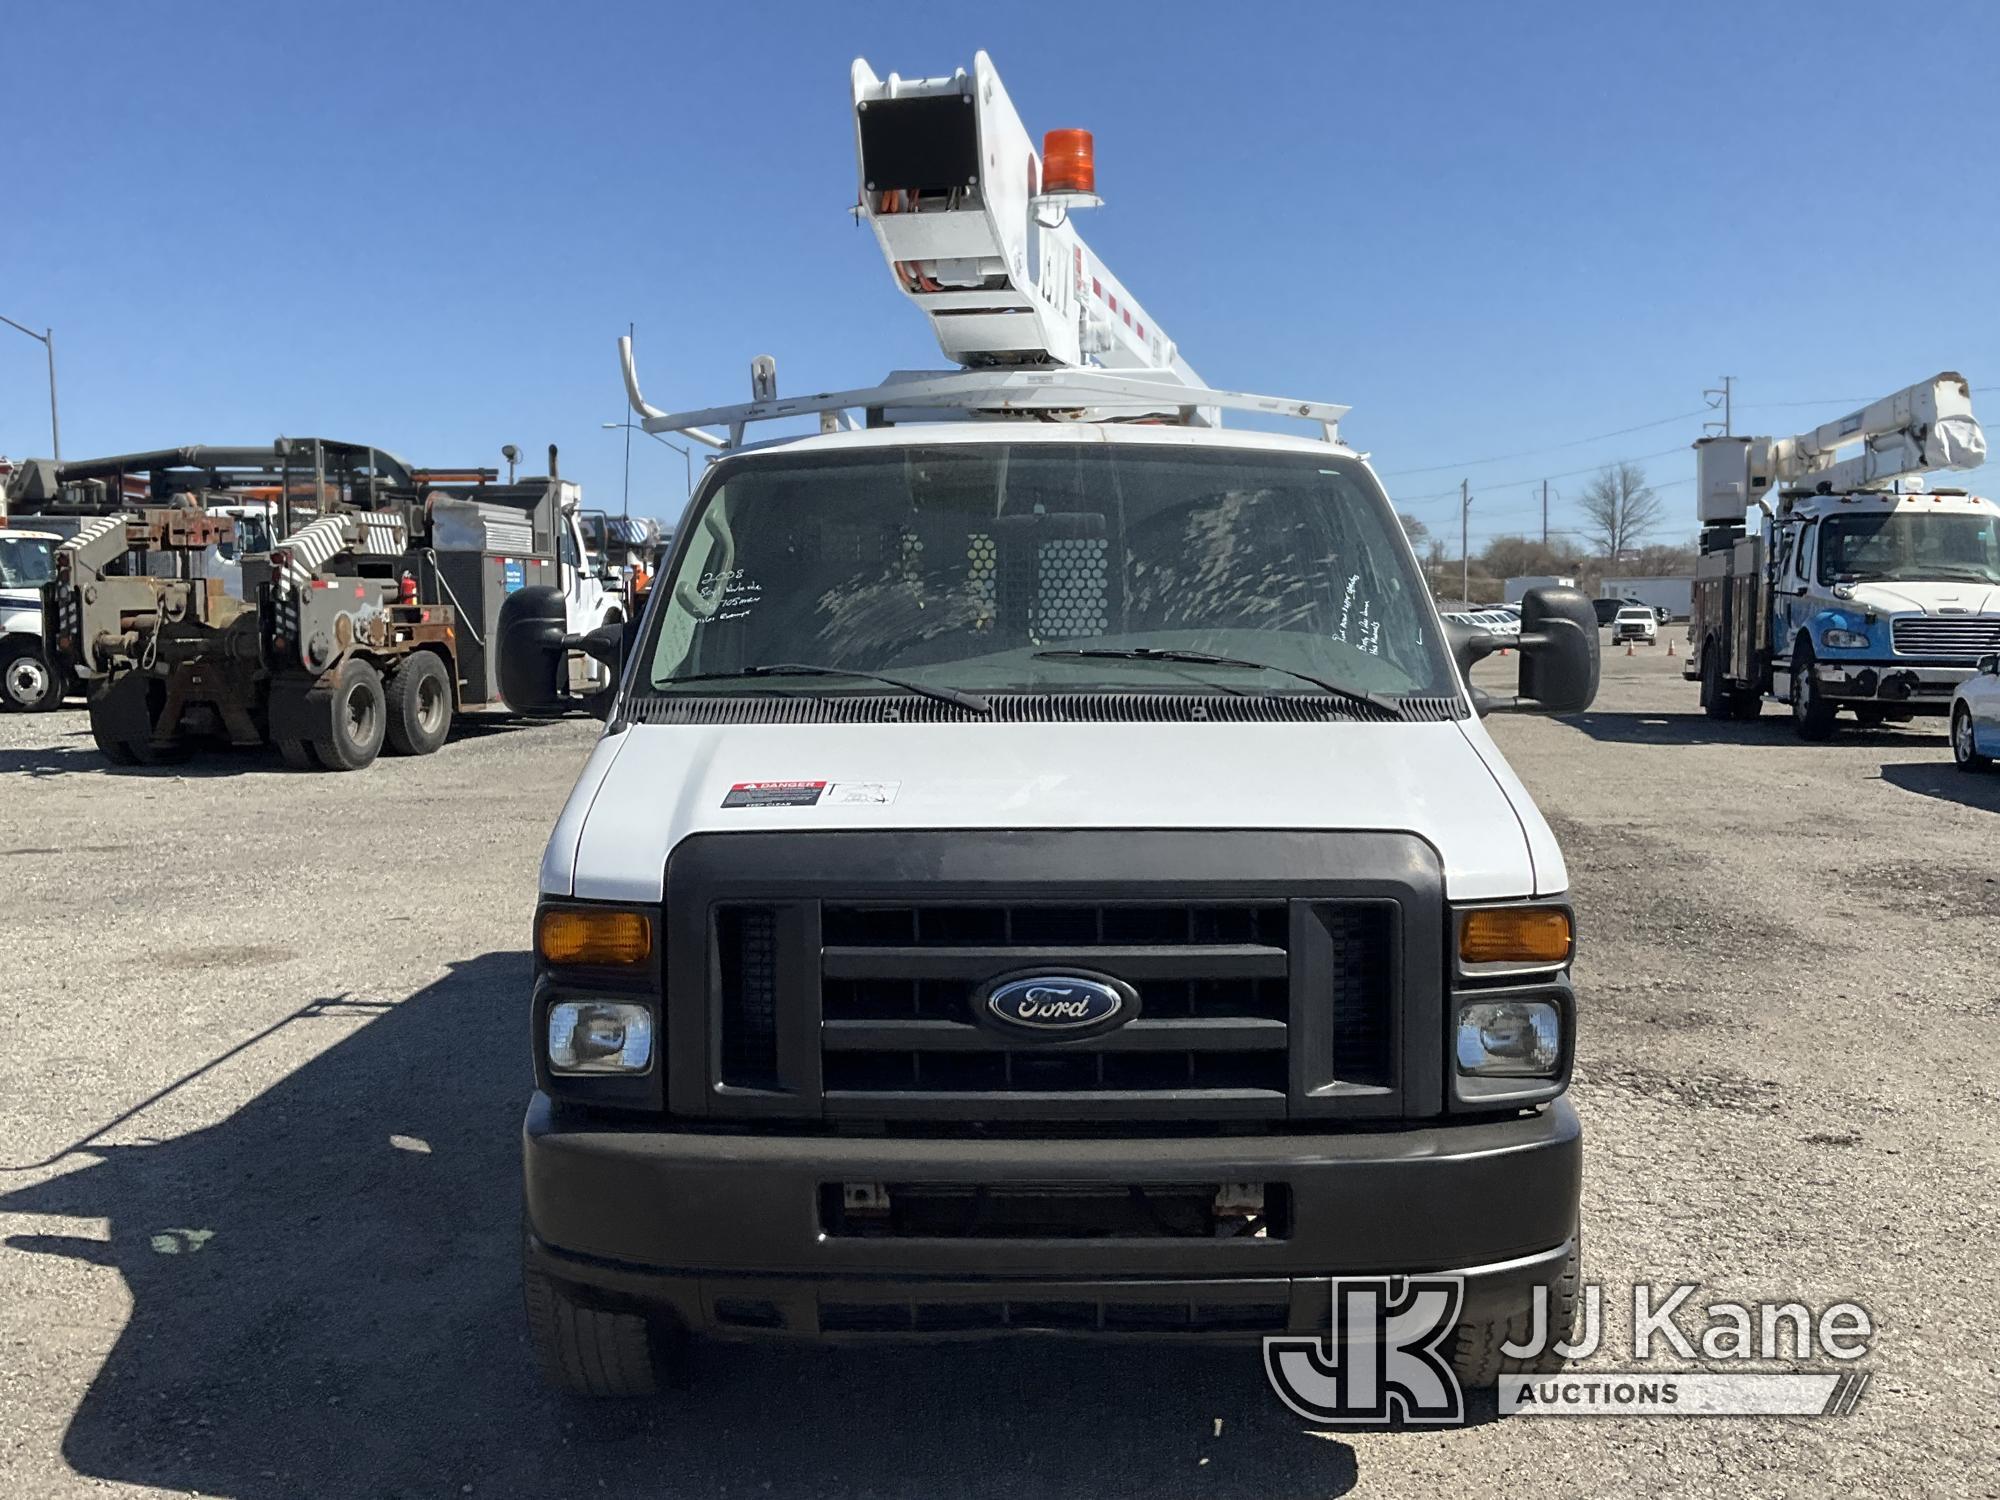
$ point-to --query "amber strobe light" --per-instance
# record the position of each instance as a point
(574, 935)
(1515, 935)
(1068, 162)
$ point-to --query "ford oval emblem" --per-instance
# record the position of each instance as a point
(1059, 1006)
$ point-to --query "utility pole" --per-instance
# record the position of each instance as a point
(1722, 399)
(1464, 548)
(1545, 513)
(47, 339)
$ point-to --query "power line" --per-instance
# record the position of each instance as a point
(1505, 484)
(1470, 463)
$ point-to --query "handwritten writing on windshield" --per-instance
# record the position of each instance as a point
(1358, 626)
(739, 594)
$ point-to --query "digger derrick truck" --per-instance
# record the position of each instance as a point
(369, 624)
(1833, 583)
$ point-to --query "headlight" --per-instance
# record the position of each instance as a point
(1844, 640)
(600, 1036)
(1509, 1038)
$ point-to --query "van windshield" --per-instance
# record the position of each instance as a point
(962, 566)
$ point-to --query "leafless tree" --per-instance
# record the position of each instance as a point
(1414, 529)
(1618, 508)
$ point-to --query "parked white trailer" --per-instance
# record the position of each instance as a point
(1673, 594)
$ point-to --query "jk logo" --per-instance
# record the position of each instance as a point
(1382, 1360)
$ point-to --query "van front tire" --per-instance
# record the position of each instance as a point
(1475, 1347)
(588, 1351)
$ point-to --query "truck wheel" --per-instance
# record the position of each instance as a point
(1963, 755)
(1812, 715)
(1717, 700)
(359, 711)
(588, 1351)
(298, 754)
(118, 752)
(419, 695)
(29, 682)
(123, 712)
(1475, 1348)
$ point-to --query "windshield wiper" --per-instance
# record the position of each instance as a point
(957, 698)
(1205, 659)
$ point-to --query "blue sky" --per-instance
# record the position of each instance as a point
(1489, 228)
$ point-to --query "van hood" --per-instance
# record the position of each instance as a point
(647, 787)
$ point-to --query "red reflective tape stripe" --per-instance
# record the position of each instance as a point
(1096, 287)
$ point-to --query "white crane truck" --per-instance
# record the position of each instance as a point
(1044, 870)
(1832, 583)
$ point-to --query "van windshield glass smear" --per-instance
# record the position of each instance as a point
(963, 566)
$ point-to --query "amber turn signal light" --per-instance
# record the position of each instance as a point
(579, 935)
(1515, 935)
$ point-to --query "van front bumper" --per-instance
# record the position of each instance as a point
(726, 1234)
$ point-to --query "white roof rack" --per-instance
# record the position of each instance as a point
(1085, 393)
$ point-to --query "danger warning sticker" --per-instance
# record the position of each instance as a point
(774, 794)
(812, 793)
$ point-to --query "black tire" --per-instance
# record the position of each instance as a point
(420, 705)
(1717, 701)
(298, 754)
(358, 717)
(121, 718)
(1475, 1348)
(118, 752)
(29, 681)
(1869, 716)
(588, 1351)
(1812, 715)
(1962, 753)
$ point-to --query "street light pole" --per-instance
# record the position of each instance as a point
(47, 338)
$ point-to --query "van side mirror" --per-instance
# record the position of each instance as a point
(1558, 646)
(533, 659)
(1559, 660)
(1989, 664)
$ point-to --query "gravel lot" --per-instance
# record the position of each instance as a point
(259, 1199)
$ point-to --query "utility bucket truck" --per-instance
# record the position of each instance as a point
(1043, 870)
(1837, 583)
(325, 597)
